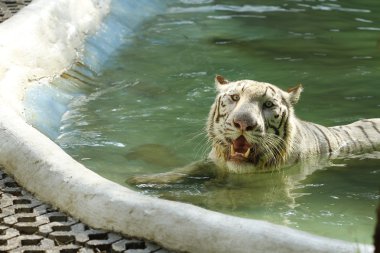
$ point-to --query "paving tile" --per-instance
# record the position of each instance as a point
(28, 225)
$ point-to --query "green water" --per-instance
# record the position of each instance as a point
(148, 112)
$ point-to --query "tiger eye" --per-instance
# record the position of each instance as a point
(235, 97)
(268, 104)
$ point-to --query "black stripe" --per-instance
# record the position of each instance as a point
(285, 102)
(265, 93)
(373, 125)
(211, 126)
(243, 89)
(336, 138)
(277, 154)
(348, 144)
(324, 135)
(352, 140)
(221, 116)
(213, 114)
(366, 135)
(217, 110)
(340, 140)
(282, 119)
(276, 130)
(274, 91)
(285, 128)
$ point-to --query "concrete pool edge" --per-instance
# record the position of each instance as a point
(45, 169)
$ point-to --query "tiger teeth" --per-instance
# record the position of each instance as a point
(232, 150)
(246, 154)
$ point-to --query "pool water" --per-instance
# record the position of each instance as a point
(147, 111)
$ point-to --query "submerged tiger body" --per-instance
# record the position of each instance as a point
(253, 128)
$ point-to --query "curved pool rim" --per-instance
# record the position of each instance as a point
(43, 168)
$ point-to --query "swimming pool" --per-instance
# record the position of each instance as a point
(144, 111)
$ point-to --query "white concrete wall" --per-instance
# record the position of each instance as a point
(41, 42)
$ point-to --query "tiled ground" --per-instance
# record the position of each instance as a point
(28, 225)
(10, 7)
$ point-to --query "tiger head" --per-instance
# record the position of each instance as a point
(250, 125)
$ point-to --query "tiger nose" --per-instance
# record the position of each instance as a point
(244, 123)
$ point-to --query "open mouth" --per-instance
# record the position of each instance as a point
(240, 149)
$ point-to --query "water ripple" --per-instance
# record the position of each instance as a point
(196, 1)
(369, 28)
(333, 7)
(233, 8)
(363, 20)
(221, 17)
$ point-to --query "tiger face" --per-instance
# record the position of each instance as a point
(250, 124)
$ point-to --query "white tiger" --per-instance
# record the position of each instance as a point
(253, 128)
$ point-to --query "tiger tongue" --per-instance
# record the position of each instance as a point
(241, 145)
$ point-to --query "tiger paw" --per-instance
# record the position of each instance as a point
(160, 178)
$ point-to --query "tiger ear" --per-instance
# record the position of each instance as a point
(295, 93)
(220, 80)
